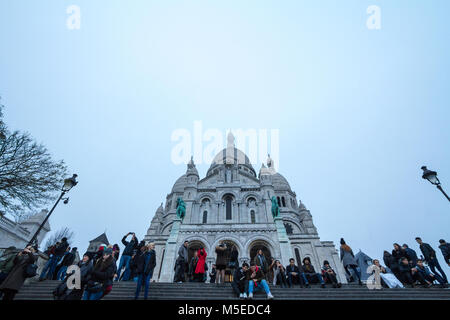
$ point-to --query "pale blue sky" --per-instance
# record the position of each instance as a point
(359, 111)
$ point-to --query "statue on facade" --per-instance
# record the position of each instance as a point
(181, 208)
(275, 207)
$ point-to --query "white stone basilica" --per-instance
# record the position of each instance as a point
(233, 203)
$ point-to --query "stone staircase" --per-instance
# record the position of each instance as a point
(207, 291)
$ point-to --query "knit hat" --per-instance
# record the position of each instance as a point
(107, 251)
(326, 262)
(342, 241)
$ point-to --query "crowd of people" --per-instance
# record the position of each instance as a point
(99, 270)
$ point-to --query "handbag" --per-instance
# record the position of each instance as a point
(94, 287)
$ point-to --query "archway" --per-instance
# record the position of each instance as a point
(193, 246)
(257, 245)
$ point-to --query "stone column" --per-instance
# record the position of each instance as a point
(170, 253)
(285, 244)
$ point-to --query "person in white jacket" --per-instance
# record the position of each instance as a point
(388, 278)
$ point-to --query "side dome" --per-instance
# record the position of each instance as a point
(280, 183)
(179, 184)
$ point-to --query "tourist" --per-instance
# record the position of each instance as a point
(221, 262)
(409, 275)
(329, 275)
(126, 255)
(50, 266)
(199, 271)
(145, 265)
(445, 249)
(430, 257)
(311, 275)
(410, 254)
(240, 282)
(387, 279)
(398, 252)
(349, 261)
(391, 263)
(294, 274)
(86, 266)
(7, 262)
(102, 274)
(234, 257)
(427, 275)
(67, 261)
(279, 274)
(16, 277)
(255, 276)
(261, 261)
(212, 274)
(181, 262)
(192, 266)
(116, 251)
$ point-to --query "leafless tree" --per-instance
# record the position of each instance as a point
(29, 177)
(57, 236)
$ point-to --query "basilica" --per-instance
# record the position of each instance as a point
(232, 203)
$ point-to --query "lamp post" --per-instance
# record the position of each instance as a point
(69, 183)
(431, 176)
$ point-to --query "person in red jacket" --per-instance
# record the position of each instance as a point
(200, 268)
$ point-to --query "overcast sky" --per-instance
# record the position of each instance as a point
(359, 111)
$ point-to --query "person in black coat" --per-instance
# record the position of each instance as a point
(294, 274)
(409, 275)
(145, 264)
(67, 261)
(410, 254)
(398, 252)
(445, 249)
(240, 283)
(130, 246)
(311, 274)
(212, 274)
(391, 263)
(430, 257)
(101, 277)
(50, 266)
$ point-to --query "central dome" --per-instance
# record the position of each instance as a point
(230, 156)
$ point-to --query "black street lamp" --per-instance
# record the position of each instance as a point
(432, 177)
(69, 183)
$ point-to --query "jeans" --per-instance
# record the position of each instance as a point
(314, 277)
(434, 264)
(61, 273)
(92, 296)
(143, 279)
(50, 267)
(262, 284)
(124, 262)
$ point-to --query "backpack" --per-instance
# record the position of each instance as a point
(30, 271)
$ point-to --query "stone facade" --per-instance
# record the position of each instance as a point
(233, 203)
(18, 234)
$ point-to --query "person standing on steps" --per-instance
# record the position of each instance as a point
(181, 262)
(126, 255)
(445, 249)
(199, 270)
(145, 265)
(16, 277)
(349, 261)
(430, 257)
(221, 263)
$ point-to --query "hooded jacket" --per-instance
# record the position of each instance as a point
(129, 246)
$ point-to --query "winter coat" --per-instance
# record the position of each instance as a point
(7, 262)
(68, 259)
(16, 276)
(390, 262)
(308, 268)
(145, 263)
(239, 275)
(445, 249)
(259, 274)
(104, 271)
(183, 253)
(411, 255)
(404, 268)
(200, 268)
(61, 249)
(294, 268)
(348, 258)
(260, 261)
(234, 256)
(398, 254)
(129, 246)
(424, 271)
(427, 251)
(220, 260)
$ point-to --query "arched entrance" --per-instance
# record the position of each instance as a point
(193, 246)
(257, 245)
